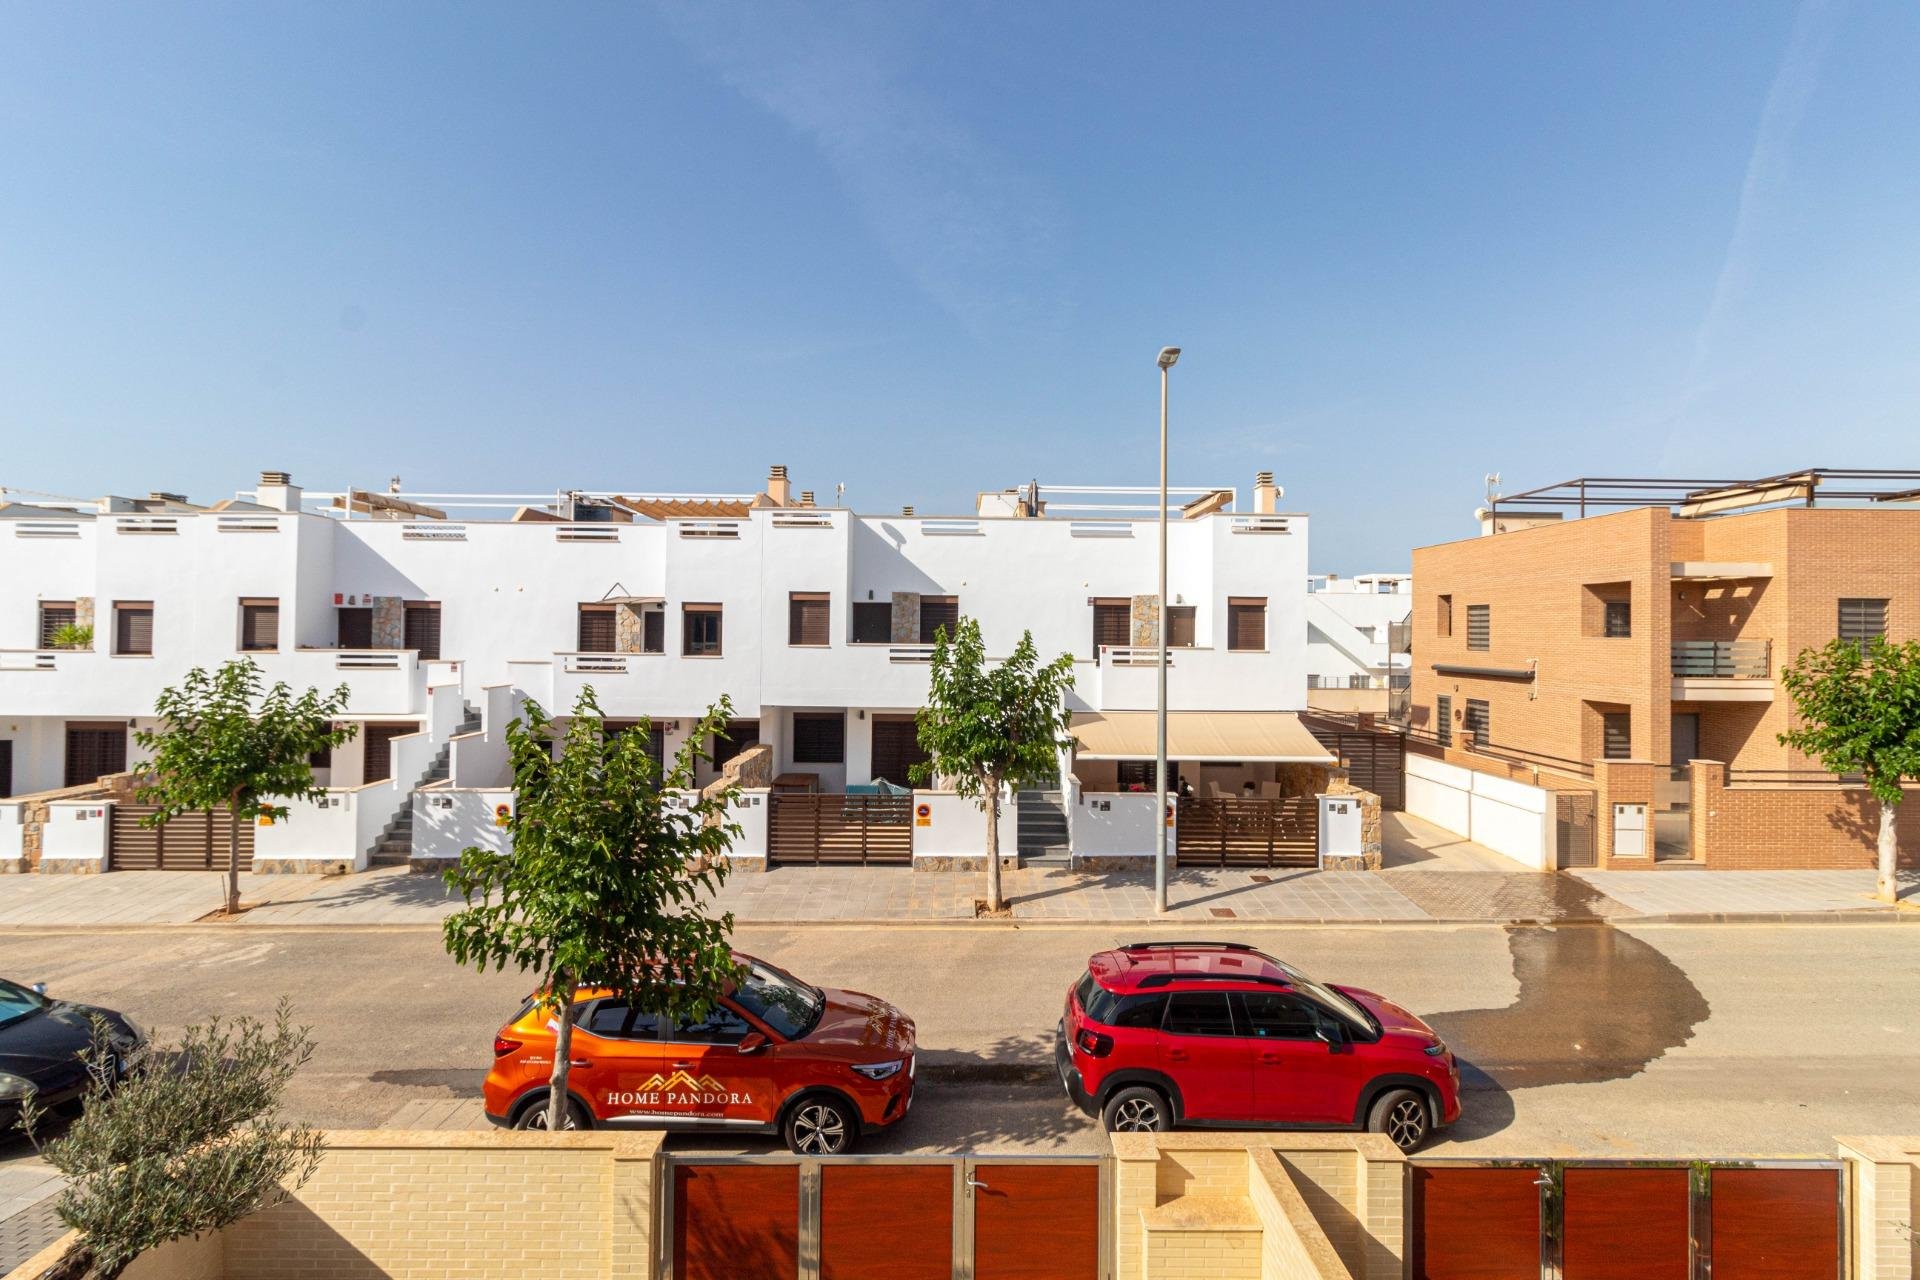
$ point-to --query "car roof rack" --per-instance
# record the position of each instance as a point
(1168, 946)
(1168, 979)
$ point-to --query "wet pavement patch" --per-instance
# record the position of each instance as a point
(1595, 1004)
(1496, 895)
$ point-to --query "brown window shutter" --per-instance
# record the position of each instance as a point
(819, 739)
(423, 629)
(133, 628)
(1180, 626)
(1112, 624)
(809, 615)
(1862, 619)
(1480, 627)
(937, 612)
(260, 624)
(1616, 732)
(1246, 622)
(596, 628)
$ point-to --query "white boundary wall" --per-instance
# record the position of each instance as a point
(1508, 817)
(956, 826)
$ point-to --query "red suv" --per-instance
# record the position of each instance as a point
(1216, 1033)
(776, 1055)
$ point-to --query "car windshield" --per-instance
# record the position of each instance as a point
(17, 1001)
(780, 1000)
(1346, 1006)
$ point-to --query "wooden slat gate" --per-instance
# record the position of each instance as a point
(190, 842)
(1376, 760)
(1627, 1220)
(840, 830)
(886, 1218)
(1233, 832)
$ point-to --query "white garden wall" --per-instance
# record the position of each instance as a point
(1508, 817)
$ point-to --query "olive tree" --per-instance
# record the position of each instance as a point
(984, 728)
(177, 1142)
(225, 741)
(607, 878)
(1858, 707)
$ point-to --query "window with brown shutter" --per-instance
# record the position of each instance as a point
(1246, 622)
(1180, 626)
(423, 629)
(1480, 627)
(1112, 624)
(355, 628)
(808, 618)
(1616, 735)
(873, 622)
(55, 614)
(94, 751)
(1443, 720)
(819, 738)
(1479, 721)
(1862, 619)
(653, 631)
(596, 629)
(700, 631)
(259, 625)
(133, 627)
(937, 613)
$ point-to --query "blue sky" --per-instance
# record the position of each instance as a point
(923, 249)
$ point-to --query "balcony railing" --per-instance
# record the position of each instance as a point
(1316, 681)
(1723, 659)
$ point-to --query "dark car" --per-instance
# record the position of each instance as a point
(41, 1043)
(1216, 1033)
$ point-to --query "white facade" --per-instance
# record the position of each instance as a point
(1351, 625)
(509, 596)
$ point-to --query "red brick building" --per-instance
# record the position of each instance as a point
(1620, 642)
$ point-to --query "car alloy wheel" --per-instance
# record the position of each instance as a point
(1407, 1123)
(535, 1117)
(819, 1129)
(1136, 1115)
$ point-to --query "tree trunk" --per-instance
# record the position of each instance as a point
(993, 847)
(75, 1264)
(233, 855)
(562, 1058)
(1888, 888)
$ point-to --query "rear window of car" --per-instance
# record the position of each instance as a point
(1109, 1009)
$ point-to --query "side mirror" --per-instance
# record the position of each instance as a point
(1331, 1035)
(39, 988)
(752, 1042)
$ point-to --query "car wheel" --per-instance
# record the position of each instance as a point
(821, 1125)
(1137, 1109)
(534, 1116)
(1403, 1116)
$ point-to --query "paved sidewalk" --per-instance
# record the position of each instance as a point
(27, 1222)
(1745, 892)
(137, 897)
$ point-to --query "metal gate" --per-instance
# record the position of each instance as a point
(1232, 832)
(885, 1218)
(1627, 1220)
(1573, 829)
(828, 830)
(188, 842)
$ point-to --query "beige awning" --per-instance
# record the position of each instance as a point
(1199, 736)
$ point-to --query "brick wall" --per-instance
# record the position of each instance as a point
(1755, 828)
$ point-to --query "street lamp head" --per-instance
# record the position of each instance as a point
(1168, 355)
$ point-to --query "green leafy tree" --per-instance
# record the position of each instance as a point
(987, 728)
(184, 1143)
(1858, 708)
(606, 882)
(225, 741)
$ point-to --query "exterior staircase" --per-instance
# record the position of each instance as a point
(395, 848)
(1043, 829)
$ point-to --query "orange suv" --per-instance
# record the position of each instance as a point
(775, 1055)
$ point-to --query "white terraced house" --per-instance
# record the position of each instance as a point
(441, 613)
(1358, 642)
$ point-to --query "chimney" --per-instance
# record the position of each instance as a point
(1266, 494)
(806, 497)
(906, 511)
(777, 487)
(277, 490)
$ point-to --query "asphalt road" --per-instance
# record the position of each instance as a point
(1582, 1040)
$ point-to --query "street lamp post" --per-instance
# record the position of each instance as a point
(1168, 355)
